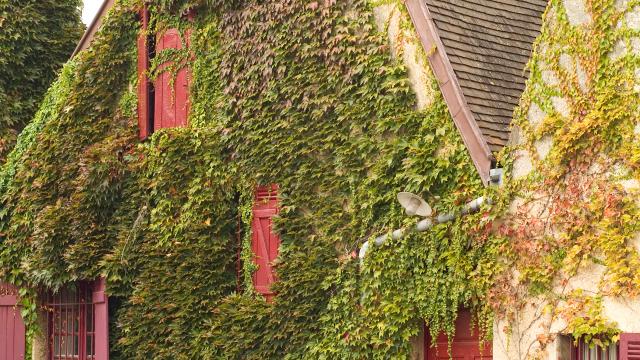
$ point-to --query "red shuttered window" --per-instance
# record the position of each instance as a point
(77, 319)
(163, 103)
(171, 91)
(630, 346)
(12, 328)
(583, 352)
(264, 241)
(465, 345)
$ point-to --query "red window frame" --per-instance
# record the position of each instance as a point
(78, 322)
(71, 325)
(582, 351)
(265, 243)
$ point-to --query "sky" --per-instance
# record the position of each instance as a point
(89, 10)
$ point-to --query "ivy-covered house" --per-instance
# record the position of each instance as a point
(214, 179)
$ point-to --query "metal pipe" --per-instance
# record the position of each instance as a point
(425, 224)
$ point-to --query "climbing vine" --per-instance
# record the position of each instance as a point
(575, 172)
(331, 116)
(328, 115)
(36, 39)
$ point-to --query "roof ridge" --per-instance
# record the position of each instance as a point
(93, 27)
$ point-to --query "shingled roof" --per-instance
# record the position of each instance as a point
(478, 50)
(488, 43)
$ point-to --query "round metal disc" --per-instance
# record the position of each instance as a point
(409, 200)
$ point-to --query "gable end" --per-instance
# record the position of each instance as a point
(451, 91)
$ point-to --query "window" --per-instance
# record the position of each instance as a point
(264, 242)
(628, 348)
(465, 344)
(163, 103)
(583, 352)
(77, 322)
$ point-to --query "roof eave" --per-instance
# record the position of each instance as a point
(88, 35)
(476, 144)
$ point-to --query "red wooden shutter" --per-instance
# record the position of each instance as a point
(171, 103)
(12, 328)
(144, 106)
(264, 242)
(630, 346)
(101, 320)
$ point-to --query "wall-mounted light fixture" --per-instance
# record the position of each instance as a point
(415, 205)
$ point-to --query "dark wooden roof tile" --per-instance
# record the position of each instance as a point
(488, 43)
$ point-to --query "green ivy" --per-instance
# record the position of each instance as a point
(62, 180)
(36, 38)
(307, 96)
(572, 211)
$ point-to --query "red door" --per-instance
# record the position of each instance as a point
(465, 346)
(12, 330)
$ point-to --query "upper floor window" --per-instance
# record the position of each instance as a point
(264, 241)
(164, 102)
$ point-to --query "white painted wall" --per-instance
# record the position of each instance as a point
(404, 43)
(521, 341)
